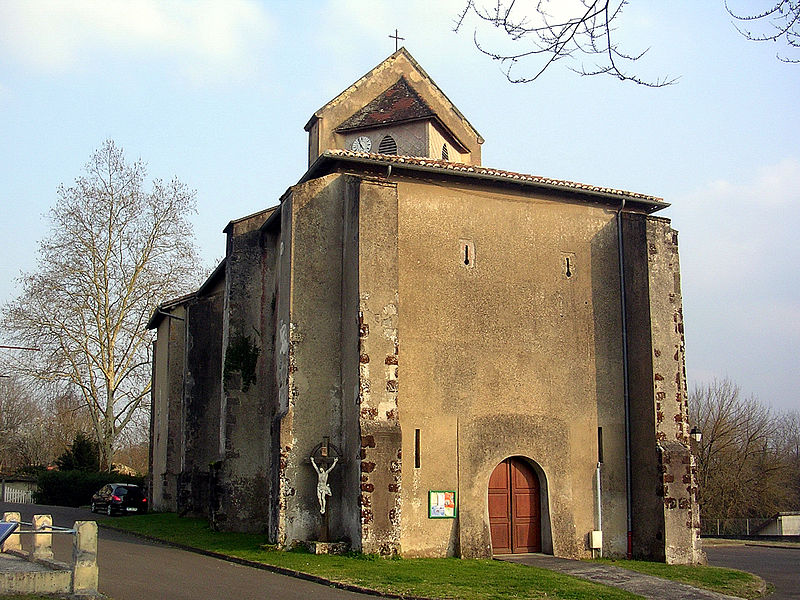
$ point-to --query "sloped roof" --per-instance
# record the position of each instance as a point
(398, 103)
(160, 311)
(466, 129)
(443, 167)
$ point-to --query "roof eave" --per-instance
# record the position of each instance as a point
(326, 162)
(160, 310)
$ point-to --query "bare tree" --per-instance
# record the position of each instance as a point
(581, 30)
(67, 416)
(743, 468)
(778, 22)
(114, 250)
(18, 411)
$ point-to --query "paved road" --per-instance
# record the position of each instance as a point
(779, 566)
(132, 569)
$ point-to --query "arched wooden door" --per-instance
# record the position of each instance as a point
(514, 508)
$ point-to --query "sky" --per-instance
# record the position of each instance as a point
(217, 94)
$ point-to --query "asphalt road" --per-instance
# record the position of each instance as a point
(132, 568)
(779, 566)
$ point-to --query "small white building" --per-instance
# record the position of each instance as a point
(785, 523)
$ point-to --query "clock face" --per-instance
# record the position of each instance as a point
(361, 144)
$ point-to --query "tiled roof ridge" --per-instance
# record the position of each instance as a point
(445, 165)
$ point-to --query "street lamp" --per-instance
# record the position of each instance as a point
(696, 434)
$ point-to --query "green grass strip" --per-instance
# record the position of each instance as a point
(451, 578)
(464, 579)
(717, 579)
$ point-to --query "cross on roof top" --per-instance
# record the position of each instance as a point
(396, 39)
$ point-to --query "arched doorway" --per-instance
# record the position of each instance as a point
(515, 508)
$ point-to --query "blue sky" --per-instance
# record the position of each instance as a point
(217, 93)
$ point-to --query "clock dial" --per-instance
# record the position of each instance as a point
(361, 144)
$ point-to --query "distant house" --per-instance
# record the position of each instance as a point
(17, 488)
(784, 523)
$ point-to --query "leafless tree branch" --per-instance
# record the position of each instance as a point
(581, 32)
(778, 22)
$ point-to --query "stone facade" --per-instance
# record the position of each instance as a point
(424, 321)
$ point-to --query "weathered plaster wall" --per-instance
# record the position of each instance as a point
(667, 518)
(436, 139)
(314, 331)
(500, 359)
(284, 370)
(609, 386)
(379, 347)
(351, 515)
(244, 420)
(167, 398)
(202, 390)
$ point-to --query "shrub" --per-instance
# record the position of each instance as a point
(82, 455)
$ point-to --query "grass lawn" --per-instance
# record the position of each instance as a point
(466, 579)
(434, 578)
(726, 581)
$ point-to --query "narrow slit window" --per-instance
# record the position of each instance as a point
(416, 449)
(568, 265)
(466, 255)
(600, 444)
(445, 153)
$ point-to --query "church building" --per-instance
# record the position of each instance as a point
(415, 354)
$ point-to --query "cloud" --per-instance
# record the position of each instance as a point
(203, 39)
(737, 232)
(739, 257)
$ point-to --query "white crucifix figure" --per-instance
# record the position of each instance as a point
(323, 489)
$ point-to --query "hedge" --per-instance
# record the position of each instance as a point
(75, 488)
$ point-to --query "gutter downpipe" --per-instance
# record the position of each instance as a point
(625, 380)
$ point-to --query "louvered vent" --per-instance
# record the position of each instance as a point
(445, 154)
(387, 145)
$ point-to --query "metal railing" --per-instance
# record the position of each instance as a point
(732, 527)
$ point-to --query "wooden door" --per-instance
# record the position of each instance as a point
(514, 508)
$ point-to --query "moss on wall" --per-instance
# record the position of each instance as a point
(241, 356)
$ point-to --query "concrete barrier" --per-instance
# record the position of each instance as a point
(36, 571)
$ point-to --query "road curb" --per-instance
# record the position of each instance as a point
(782, 547)
(265, 567)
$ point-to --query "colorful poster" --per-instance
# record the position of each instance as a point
(441, 504)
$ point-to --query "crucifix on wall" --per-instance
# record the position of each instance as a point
(324, 457)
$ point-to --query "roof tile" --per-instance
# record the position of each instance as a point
(397, 103)
(487, 171)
